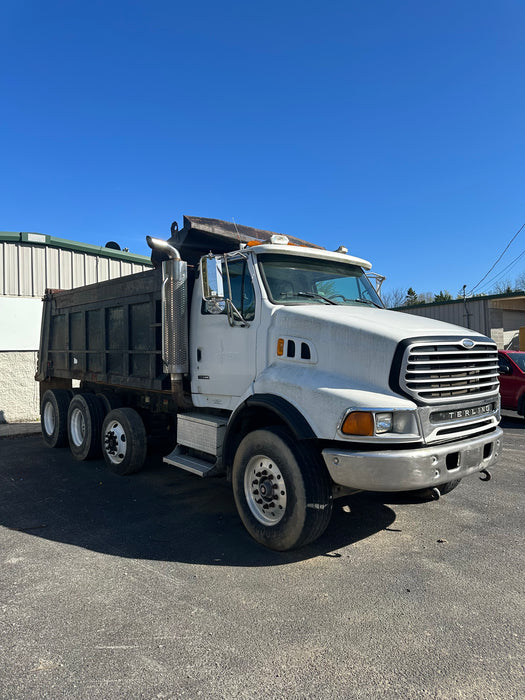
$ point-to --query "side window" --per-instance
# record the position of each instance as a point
(504, 365)
(243, 294)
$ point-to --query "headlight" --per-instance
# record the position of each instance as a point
(384, 422)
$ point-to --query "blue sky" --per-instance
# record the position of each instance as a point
(394, 128)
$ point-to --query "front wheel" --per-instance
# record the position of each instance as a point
(282, 490)
(448, 486)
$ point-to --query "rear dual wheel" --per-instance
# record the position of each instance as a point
(53, 416)
(84, 423)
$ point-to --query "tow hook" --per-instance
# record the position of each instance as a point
(435, 494)
(485, 475)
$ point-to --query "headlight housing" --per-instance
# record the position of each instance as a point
(371, 423)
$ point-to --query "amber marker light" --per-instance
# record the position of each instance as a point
(358, 423)
(280, 347)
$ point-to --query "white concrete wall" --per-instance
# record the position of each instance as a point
(20, 320)
(19, 393)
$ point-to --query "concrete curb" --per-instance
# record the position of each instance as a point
(9, 430)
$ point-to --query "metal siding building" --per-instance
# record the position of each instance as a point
(30, 263)
(498, 316)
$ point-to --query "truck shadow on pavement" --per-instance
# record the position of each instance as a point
(159, 514)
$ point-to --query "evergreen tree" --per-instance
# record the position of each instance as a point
(443, 296)
(411, 297)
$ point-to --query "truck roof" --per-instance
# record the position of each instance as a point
(309, 252)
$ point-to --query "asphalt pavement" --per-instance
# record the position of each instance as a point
(148, 587)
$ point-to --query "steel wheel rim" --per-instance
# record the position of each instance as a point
(77, 425)
(49, 418)
(265, 490)
(115, 443)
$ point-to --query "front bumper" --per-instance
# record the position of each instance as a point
(416, 468)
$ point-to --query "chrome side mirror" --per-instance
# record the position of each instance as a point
(212, 280)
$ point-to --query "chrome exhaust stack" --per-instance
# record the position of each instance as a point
(174, 312)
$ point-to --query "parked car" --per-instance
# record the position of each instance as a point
(512, 380)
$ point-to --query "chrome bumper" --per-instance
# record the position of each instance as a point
(416, 468)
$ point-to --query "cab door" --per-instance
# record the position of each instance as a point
(223, 339)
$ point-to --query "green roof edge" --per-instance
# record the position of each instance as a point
(505, 295)
(53, 242)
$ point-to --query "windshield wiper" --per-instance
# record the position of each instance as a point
(312, 295)
(367, 301)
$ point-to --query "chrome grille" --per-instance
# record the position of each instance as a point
(437, 372)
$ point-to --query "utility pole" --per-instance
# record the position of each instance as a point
(467, 313)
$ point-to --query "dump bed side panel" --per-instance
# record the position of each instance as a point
(110, 332)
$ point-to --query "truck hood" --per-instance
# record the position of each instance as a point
(354, 342)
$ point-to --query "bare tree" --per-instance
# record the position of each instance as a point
(503, 287)
(520, 282)
(394, 298)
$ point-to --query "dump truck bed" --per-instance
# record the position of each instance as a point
(109, 332)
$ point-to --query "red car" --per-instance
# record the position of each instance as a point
(512, 380)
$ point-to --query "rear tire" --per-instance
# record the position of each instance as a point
(53, 417)
(124, 442)
(84, 420)
(282, 490)
(109, 401)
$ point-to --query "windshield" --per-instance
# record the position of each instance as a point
(291, 279)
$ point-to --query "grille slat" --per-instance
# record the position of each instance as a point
(473, 378)
(460, 361)
(436, 372)
(450, 370)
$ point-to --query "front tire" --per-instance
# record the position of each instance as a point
(282, 491)
(448, 486)
(124, 443)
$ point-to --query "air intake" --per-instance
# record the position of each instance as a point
(448, 371)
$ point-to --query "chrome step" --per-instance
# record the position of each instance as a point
(197, 466)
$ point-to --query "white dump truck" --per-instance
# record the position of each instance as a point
(270, 362)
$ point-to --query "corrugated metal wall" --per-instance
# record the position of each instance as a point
(27, 270)
(473, 314)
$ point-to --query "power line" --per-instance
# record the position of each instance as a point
(497, 261)
(505, 269)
